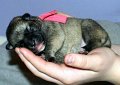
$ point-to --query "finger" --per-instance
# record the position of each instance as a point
(91, 62)
(42, 65)
(35, 71)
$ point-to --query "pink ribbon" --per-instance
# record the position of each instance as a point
(53, 16)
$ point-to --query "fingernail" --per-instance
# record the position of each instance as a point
(69, 59)
(17, 50)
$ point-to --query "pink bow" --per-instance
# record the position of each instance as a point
(53, 16)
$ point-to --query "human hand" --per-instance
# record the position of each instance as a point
(78, 68)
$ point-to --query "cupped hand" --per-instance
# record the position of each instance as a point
(77, 69)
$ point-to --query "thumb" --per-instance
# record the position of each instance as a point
(91, 62)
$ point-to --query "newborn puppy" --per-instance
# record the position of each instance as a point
(25, 31)
(54, 39)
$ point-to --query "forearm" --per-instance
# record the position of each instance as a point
(114, 73)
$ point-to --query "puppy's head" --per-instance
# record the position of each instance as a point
(25, 31)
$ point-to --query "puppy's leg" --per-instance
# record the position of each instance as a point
(55, 40)
(53, 47)
(94, 35)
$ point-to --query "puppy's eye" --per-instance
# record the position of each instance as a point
(30, 29)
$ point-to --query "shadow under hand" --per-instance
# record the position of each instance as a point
(15, 60)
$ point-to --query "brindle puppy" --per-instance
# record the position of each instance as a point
(54, 39)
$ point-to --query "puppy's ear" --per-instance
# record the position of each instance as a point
(9, 47)
(26, 16)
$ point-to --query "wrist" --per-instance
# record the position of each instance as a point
(113, 74)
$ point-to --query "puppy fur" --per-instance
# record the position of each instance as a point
(54, 38)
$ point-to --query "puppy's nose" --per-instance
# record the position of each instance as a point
(26, 16)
